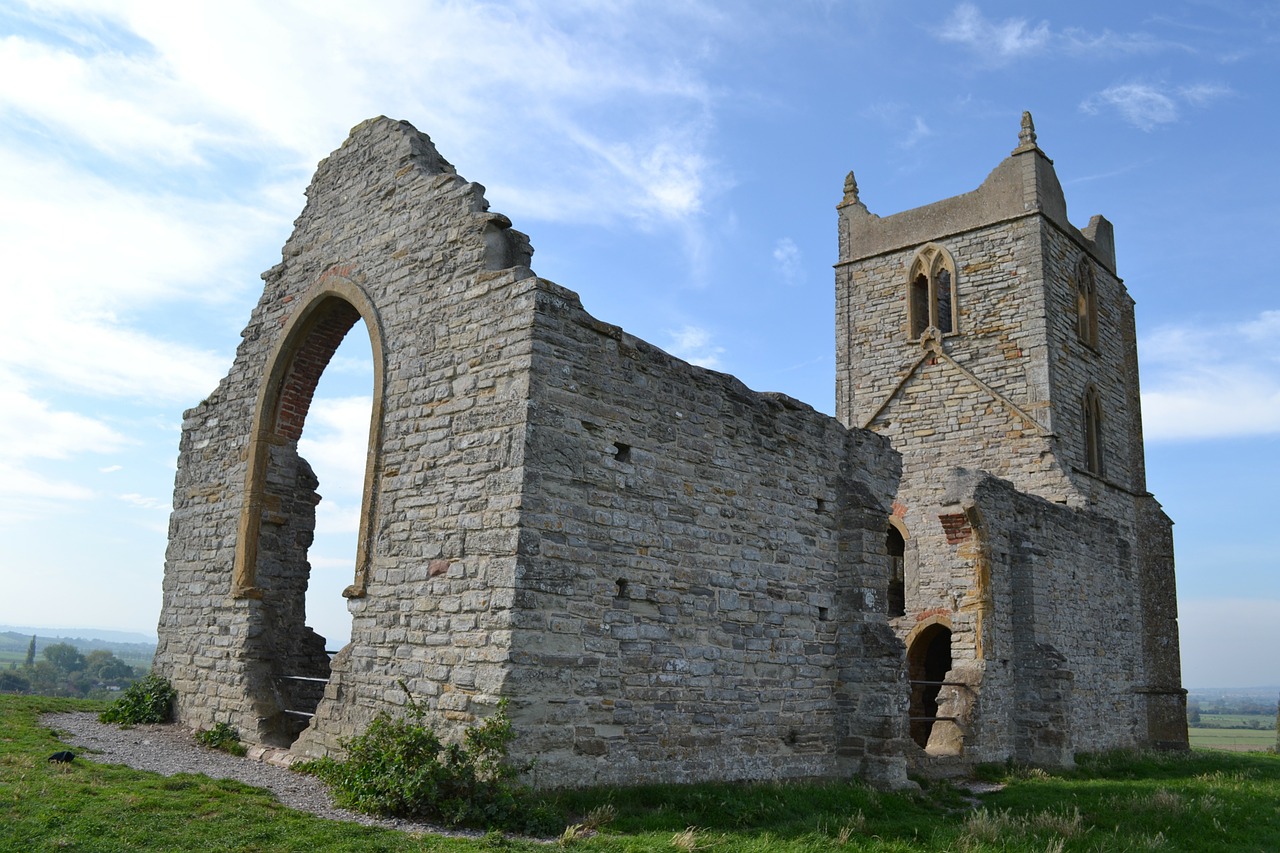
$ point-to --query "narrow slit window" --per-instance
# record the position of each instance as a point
(943, 301)
(1094, 460)
(919, 305)
(897, 594)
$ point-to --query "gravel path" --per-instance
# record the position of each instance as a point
(170, 749)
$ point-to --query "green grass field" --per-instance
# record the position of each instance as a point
(1202, 800)
(1233, 739)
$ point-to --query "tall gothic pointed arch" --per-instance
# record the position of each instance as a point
(312, 334)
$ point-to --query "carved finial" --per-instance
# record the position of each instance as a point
(850, 188)
(1027, 135)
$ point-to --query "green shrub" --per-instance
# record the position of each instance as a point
(147, 700)
(400, 768)
(222, 737)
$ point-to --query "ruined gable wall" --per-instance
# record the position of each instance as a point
(390, 226)
(699, 575)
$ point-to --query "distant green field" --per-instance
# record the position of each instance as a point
(1260, 721)
(1232, 739)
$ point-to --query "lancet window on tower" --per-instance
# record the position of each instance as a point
(1092, 411)
(931, 287)
(1086, 303)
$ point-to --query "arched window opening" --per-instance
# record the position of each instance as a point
(1092, 411)
(294, 551)
(931, 292)
(897, 548)
(928, 662)
(1086, 303)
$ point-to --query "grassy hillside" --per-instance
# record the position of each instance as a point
(1202, 801)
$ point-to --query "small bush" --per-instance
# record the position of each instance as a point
(400, 768)
(147, 700)
(222, 737)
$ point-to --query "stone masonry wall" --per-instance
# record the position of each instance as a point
(700, 567)
(1065, 601)
(670, 576)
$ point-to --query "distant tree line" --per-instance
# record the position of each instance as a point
(65, 671)
(1207, 713)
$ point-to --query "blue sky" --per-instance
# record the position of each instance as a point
(675, 163)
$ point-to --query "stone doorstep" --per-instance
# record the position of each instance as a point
(276, 755)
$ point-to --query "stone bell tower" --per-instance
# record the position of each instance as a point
(1032, 573)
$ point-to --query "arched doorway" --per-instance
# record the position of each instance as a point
(287, 661)
(928, 662)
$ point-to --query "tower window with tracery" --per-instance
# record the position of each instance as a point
(1086, 304)
(931, 302)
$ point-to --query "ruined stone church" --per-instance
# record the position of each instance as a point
(669, 576)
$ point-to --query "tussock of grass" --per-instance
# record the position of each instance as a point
(1201, 801)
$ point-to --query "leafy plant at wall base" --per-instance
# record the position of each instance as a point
(222, 736)
(401, 768)
(148, 700)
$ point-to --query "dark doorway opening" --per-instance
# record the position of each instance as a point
(897, 548)
(928, 662)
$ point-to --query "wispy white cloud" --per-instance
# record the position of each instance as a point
(84, 258)
(32, 430)
(144, 502)
(919, 130)
(1149, 105)
(912, 128)
(26, 494)
(1219, 381)
(1110, 45)
(1203, 94)
(106, 100)
(787, 261)
(1000, 41)
(694, 345)
(1142, 105)
(238, 76)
